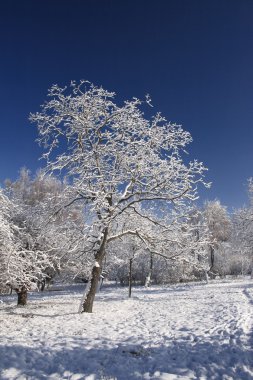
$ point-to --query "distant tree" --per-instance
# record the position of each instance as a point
(172, 254)
(242, 237)
(219, 225)
(115, 159)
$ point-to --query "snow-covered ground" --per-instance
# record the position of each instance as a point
(193, 331)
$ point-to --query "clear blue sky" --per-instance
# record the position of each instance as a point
(194, 57)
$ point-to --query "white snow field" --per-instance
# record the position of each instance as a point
(196, 331)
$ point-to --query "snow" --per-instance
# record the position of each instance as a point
(196, 331)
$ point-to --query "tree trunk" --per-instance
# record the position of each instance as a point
(149, 276)
(22, 296)
(206, 276)
(130, 278)
(42, 285)
(211, 274)
(100, 283)
(212, 257)
(91, 289)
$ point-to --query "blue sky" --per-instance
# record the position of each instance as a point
(194, 57)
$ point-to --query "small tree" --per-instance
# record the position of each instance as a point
(115, 159)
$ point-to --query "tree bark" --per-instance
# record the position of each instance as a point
(212, 257)
(91, 291)
(87, 305)
(22, 296)
(211, 274)
(42, 285)
(130, 278)
(149, 276)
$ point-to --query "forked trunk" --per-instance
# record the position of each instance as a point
(22, 296)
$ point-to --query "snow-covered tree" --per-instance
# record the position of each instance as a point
(7, 237)
(219, 225)
(172, 254)
(115, 159)
(242, 237)
(21, 263)
(35, 199)
(49, 240)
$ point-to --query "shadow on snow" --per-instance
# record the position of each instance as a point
(125, 361)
